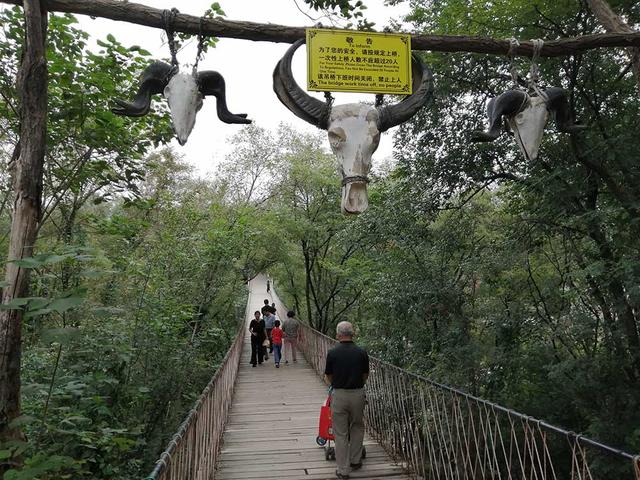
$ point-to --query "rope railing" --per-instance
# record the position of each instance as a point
(193, 451)
(439, 432)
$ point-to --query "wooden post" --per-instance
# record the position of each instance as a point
(32, 86)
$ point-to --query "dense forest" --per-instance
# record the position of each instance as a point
(516, 281)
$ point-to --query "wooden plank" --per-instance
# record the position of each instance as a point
(327, 476)
(273, 423)
(272, 471)
(375, 463)
(308, 452)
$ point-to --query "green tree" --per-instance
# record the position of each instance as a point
(539, 275)
(317, 274)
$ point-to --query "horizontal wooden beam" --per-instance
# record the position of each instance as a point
(267, 32)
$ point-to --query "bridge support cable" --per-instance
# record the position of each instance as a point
(193, 451)
(441, 432)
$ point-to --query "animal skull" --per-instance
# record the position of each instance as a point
(183, 92)
(185, 101)
(354, 136)
(528, 127)
(354, 129)
(527, 117)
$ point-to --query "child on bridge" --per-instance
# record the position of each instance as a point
(276, 342)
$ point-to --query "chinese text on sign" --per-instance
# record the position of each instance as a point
(349, 61)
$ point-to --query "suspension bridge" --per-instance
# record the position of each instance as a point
(261, 423)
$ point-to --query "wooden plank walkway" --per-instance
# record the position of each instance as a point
(273, 423)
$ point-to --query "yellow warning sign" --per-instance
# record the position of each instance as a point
(350, 61)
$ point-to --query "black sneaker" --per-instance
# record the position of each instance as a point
(356, 466)
(341, 475)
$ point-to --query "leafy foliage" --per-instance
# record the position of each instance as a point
(123, 332)
(515, 281)
(348, 9)
(136, 293)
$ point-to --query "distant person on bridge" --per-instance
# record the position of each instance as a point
(275, 312)
(290, 329)
(276, 342)
(347, 370)
(265, 312)
(269, 320)
(258, 334)
(268, 285)
(265, 308)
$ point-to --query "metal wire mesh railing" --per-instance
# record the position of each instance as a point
(438, 432)
(193, 451)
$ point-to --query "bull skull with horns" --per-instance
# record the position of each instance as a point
(184, 94)
(354, 129)
(527, 116)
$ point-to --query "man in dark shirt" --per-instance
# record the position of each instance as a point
(347, 369)
(256, 327)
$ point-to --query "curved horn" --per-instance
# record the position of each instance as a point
(152, 81)
(393, 115)
(302, 104)
(506, 104)
(212, 83)
(558, 102)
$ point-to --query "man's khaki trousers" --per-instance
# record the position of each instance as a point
(347, 407)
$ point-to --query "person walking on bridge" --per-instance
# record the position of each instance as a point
(276, 342)
(290, 329)
(269, 320)
(265, 311)
(347, 370)
(258, 334)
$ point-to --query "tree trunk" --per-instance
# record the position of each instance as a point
(32, 85)
(307, 284)
(613, 23)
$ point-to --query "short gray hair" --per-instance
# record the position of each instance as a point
(344, 329)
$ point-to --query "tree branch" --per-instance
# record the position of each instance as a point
(153, 17)
(614, 23)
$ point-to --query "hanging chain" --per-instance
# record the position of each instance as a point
(169, 18)
(325, 114)
(202, 40)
